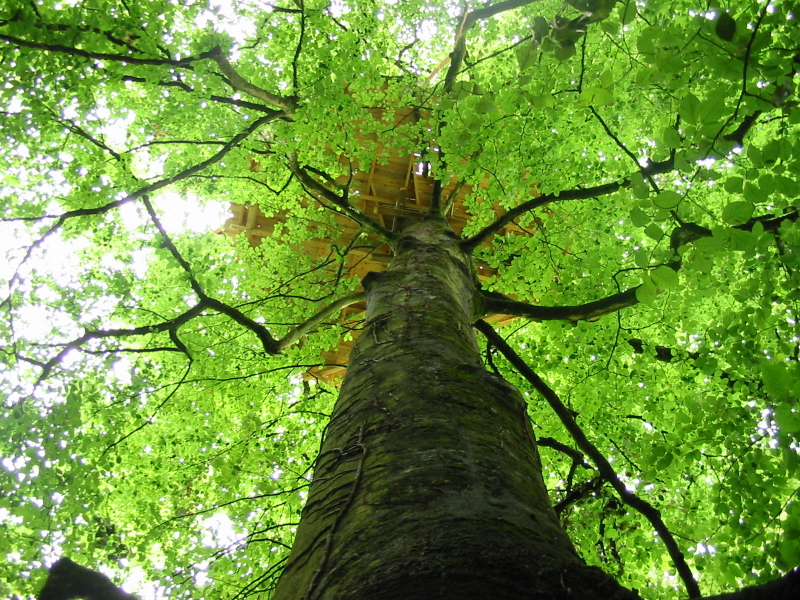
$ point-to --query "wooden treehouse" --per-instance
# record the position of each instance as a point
(395, 194)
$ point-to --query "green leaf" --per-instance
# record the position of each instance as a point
(639, 218)
(787, 185)
(564, 51)
(526, 55)
(640, 191)
(645, 44)
(690, 109)
(788, 418)
(610, 27)
(725, 27)
(751, 193)
(734, 185)
(484, 107)
(741, 241)
(736, 213)
(654, 231)
(712, 245)
(540, 27)
(671, 137)
(546, 101)
(668, 199)
(641, 258)
(596, 96)
(627, 11)
(701, 262)
(777, 381)
(665, 461)
(791, 460)
(665, 278)
(766, 183)
(646, 293)
(754, 154)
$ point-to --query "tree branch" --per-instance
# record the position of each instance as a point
(302, 329)
(785, 588)
(579, 493)
(622, 146)
(213, 98)
(288, 104)
(575, 455)
(686, 232)
(436, 198)
(476, 240)
(270, 344)
(591, 311)
(312, 185)
(123, 58)
(153, 414)
(652, 168)
(299, 49)
(80, 131)
(267, 341)
(83, 212)
(117, 333)
(60, 27)
(467, 22)
(606, 470)
(149, 189)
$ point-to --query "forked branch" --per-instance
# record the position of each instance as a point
(78, 343)
(467, 22)
(287, 104)
(319, 191)
(148, 189)
(577, 194)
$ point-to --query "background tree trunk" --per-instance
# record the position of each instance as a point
(428, 483)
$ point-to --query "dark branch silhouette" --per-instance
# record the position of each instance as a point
(601, 462)
(122, 58)
(68, 580)
(591, 311)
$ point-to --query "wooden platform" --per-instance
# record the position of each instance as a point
(395, 193)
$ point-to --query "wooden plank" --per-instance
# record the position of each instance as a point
(370, 179)
(394, 191)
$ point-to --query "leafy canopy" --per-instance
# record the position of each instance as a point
(155, 423)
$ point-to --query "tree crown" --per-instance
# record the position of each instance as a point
(627, 174)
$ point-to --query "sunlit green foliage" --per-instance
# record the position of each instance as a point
(178, 457)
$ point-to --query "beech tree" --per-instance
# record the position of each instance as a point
(618, 180)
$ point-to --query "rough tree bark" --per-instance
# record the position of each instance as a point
(428, 483)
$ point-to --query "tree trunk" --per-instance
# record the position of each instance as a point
(428, 483)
